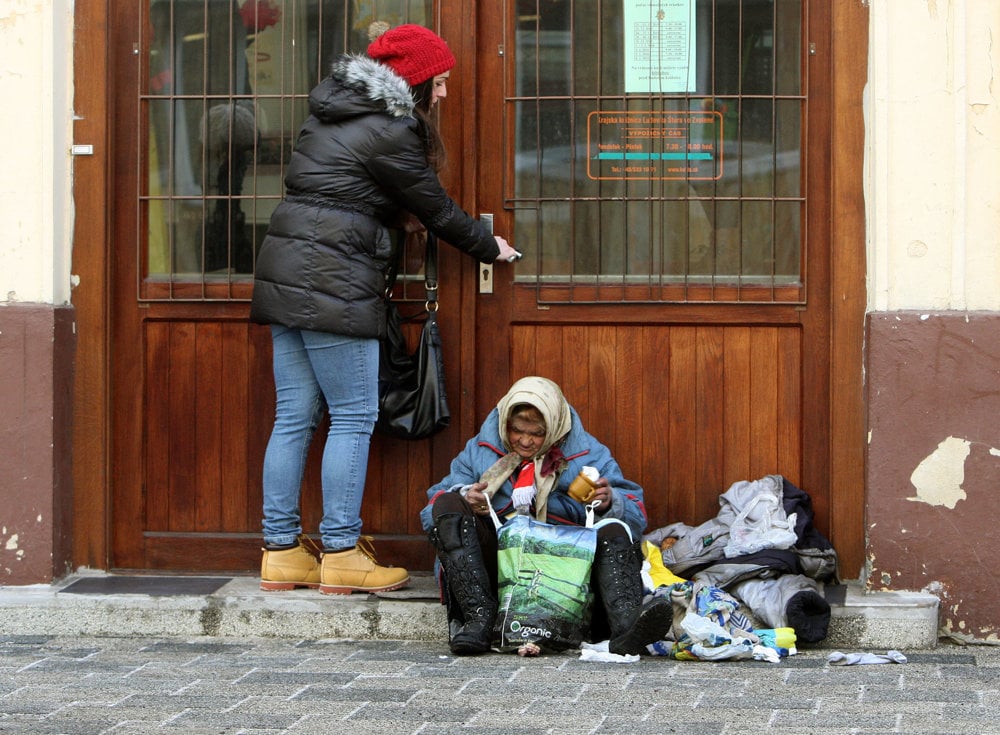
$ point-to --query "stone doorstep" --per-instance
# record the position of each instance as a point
(872, 621)
(883, 620)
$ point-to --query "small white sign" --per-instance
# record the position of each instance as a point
(660, 46)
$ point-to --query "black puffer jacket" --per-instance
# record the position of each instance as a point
(358, 161)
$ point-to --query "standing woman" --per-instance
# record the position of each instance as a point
(366, 158)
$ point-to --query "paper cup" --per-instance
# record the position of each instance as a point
(582, 488)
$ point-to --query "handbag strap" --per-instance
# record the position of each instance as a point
(392, 271)
(430, 268)
(430, 272)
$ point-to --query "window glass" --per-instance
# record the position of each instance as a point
(657, 142)
(227, 84)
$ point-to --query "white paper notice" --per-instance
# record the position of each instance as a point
(660, 46)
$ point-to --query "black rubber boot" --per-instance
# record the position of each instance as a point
(472, 604)
(634, 625)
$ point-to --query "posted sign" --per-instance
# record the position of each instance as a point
(660, 46)
(681, 145)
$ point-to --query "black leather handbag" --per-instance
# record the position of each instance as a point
(413, 403)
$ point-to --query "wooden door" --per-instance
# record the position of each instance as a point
(687, 315)
(209, 95)
(665, 169)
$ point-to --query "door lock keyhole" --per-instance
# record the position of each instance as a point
(486, 278)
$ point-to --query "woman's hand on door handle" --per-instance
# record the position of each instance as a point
(507, 253)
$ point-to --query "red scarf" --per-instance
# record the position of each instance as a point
(524, 486)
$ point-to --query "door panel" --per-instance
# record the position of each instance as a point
(209, 97)
(683, 308)
(685, 407)
(200, 424)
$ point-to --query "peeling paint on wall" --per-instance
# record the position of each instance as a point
(12, 542)
(933, 407)
(939, 476)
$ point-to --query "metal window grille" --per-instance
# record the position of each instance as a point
(223, 90)
(689, 210)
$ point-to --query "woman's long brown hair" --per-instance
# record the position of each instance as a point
(433, 145)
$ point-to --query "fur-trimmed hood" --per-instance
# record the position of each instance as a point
(358, 85)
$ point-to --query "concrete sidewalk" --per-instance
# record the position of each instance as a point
(98, 604)
(52, 685)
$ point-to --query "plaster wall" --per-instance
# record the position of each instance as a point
(35, 181)
(933, 340)
(36, 358)
(37, 328)
(933, 152)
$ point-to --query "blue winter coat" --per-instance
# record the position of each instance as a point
(579, 448)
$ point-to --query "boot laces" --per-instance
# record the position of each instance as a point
(311, 546)
(620, 587)
(366, 545)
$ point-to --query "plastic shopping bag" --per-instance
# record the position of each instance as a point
(544, 584)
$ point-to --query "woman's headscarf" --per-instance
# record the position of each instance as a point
(544, 395)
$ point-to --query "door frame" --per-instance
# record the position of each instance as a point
(93, 242)
(848, 287)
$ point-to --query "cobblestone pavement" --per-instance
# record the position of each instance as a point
(129, 686)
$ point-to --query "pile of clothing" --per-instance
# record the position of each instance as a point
(761, 552)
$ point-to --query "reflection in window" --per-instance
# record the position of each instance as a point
(734, 217)
(226, 92)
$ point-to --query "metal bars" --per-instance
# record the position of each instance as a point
(706, 198)
(222, 90)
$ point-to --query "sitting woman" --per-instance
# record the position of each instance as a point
(528, 451)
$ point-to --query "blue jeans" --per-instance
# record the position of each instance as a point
(313, 370)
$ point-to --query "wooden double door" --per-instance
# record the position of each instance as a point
(667, 169)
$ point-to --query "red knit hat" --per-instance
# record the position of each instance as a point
(413, 52)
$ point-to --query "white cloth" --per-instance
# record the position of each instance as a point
(838, 658)
(599, 652)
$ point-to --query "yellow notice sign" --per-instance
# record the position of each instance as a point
(682, 145)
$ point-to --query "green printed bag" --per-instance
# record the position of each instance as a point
(544, 584)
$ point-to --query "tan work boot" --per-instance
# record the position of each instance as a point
(355, 570)
(288, 569)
